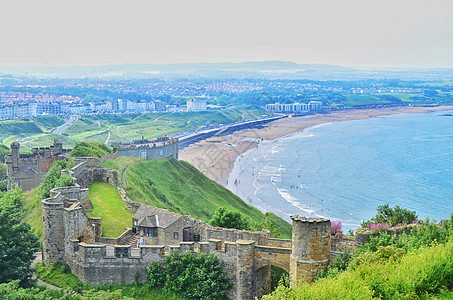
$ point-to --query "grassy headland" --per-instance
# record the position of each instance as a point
(179, 187)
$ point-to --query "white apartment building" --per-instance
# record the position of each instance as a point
(196, 105)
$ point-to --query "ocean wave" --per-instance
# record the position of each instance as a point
(293, 200)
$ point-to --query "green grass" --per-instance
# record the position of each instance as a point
(128, 127)
(60, 275)
(33, 211)
(180, 187)
(364, 100)
(108, 205)
(424, 273)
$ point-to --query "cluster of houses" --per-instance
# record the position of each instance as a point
(25, 109)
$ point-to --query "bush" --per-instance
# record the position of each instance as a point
(52, 178)
(191, 276)
(91, 149)
(392, 216)
(336, 229)
(229, 219)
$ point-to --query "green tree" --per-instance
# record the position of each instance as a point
(191, 276)
(17, 241)
(393, 216)
(3, 178)
(52, 178)
(4, 150)
(226, 218)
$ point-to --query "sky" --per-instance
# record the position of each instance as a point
(354, 33)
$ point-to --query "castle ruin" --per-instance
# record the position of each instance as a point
(246, 256)
(28, 170)
(161, 147)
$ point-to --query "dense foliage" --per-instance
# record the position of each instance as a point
(54, 178)
(90, 149)
(414, 262)
(191, 276)
(226, 218)
(4, 150)
(12, 291)
(392, 216)
(17, 241)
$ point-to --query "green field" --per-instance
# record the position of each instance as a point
(37, 131)
(108, 205)
(363, 100)
(180, 187)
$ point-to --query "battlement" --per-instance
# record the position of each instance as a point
(28, 170)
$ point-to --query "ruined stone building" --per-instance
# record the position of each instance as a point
(161, 147)
(246, 256)
(28, 170)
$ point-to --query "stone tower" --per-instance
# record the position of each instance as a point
(15, 146)
(53, 231)
(311, 247)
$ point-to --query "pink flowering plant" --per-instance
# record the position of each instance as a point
(336, 229)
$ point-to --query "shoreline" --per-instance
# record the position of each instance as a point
(215, 156)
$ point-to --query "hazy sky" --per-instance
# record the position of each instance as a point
(401, 33)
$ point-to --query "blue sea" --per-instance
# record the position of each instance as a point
(345, 170)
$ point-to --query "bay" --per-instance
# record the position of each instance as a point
(345, 170)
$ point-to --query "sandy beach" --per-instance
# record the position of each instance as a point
(215, 156)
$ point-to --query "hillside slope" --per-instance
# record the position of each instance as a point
(180, 187)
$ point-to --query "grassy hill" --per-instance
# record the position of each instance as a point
(127, 127)
(180, 187)
(37, 131)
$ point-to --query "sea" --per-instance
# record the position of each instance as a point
(344, 170)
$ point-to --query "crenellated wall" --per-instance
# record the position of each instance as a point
(246, 256)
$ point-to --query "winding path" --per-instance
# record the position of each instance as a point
(38, 258)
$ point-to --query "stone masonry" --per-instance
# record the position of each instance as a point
(246, 256)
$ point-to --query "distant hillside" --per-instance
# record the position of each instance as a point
(28, 128)
(180, 187)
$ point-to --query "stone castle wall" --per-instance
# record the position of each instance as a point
(165, 149)
(28, 170)
(246, 256)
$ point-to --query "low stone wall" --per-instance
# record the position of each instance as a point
(110, 156)
(363, 235)
(130, 205)
(279, 243)
(341, 244)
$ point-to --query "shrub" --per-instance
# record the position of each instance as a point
(226, 218)
(336, 229)
(392, 216)
(52, 178)
(191, 276)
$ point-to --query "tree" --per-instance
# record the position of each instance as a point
(394, 216)
(53, 180)
(4, 150)
(192, 276)
(229, 219)
(3, 178)
(17, 241)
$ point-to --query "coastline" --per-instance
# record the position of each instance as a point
(215, 156)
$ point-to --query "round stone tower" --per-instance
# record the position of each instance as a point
(15, 147)
(311, 247)
(53, 231)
